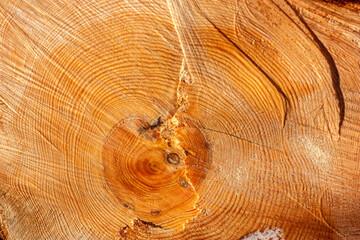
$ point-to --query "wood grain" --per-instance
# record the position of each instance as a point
(179, 119)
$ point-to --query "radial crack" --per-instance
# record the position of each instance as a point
(335, 76)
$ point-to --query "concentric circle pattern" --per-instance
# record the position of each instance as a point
(153, 175)
(179, 119)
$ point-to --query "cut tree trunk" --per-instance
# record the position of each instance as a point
(179, 119)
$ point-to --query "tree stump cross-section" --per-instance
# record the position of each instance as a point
(179, 119)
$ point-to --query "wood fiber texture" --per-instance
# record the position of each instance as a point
(179, 119)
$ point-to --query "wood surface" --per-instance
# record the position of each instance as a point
(197, 119)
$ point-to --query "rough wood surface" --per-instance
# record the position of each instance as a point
(179, 119)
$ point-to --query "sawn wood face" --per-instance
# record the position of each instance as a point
(179, 119)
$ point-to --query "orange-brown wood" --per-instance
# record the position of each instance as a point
(179, 119)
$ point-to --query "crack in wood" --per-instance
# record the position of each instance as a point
(334, 72)
(240, 138)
